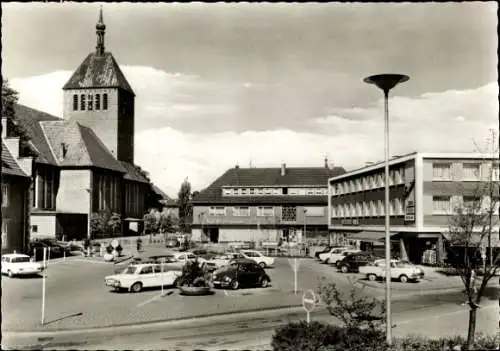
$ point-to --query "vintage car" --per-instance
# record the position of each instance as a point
(257, 256)
(19, 264)
(241, 273)
(400, 270)
(352, 262)
(338, 254)
(138, 276)
(323, 256)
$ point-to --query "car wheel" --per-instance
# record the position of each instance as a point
(235, 285)
(372, 277)
(177, 283)
(344, 269)
(136, 287)
(10, 274)
(403, 278)
(262, 265)
(264, 282)
(327, 261)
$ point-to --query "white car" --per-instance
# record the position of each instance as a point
(324, 257)
(19, 264)
(257, 256)
(220, 260)
(401, 270)
(138, 276)
(187, 256)
(339, 255)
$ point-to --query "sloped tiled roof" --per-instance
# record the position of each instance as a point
(160, 192)
(29, 119)
(98, 71)
(9, 165)
(294, 176)
(83, 147)
(133, 173)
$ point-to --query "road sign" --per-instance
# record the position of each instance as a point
(295, 263)
(309, 300)
(114, 243)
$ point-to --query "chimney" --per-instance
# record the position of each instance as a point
(64, 150)
(283, 169)
(326, 163)
(237, 166)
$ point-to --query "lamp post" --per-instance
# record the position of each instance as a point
(304, 237)
(201, 215)
(386, 82)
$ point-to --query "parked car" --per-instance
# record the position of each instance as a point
(241, 273)
(138, 276)
(172, 242)
(325, 249)
(257, 256)
(324, 255)
(353, 261)
(219, 261)
(185, 256)
(19, 264)
(401, 270)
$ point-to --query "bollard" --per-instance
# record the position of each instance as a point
(64, 255)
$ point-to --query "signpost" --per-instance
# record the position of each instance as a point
(162, 264)
(309, 301)
(43, 283)
(295, 267)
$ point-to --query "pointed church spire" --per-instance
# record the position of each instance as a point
(100, 29)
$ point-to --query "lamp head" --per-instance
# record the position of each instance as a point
(386, 81)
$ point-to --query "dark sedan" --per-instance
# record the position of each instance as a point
(241, 273)
(353, 261)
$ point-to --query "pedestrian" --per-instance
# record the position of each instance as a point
(139, 244)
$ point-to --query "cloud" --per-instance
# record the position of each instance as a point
(187, 125)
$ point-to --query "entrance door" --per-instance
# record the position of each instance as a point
(214, 235)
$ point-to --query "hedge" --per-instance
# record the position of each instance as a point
(327, 337)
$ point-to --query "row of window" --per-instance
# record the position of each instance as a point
(90, 102)
(244, 211)
(396, 176)
(445, 205)
(273, 191)
(134, 199)
(367, 209)
(108, 192)
(470, 171)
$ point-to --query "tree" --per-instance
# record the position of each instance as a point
(471, 227)
(150, 224)
(185, 206)
(114, 222)
(105, 222)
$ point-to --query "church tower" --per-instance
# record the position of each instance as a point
(98, 96)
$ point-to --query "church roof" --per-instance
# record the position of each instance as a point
(98, 71)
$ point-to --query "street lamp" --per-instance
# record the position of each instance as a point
(304, 236)
(201, 215)
(386, 82)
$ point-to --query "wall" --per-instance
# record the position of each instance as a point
(73, 195)
(231, 235)
(13, 215)
(103, 122)
(126, 126)
(46, 224)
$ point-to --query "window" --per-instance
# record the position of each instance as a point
(373, 208)
(244, 191)
(392, 207)
(217, 211)
(90, 104)
(398, 207)
(366, 209)
(441, 204)
(397, 176)
(75, 102)
(242, 211)
(147, 270)
(227, 192)
(82, 102)
(5, 195)
(265, 211)
(259, 191)
(252, 191)
(495, 172)
(496, 205)
(441, 171)
(381, 208)
(471, 204)
(471, 171)
(340, 210)
(34, 229)
(310, 191)
(318, 191)
(334, 211)
(97, 101)
(268, 191)
(104, 101)
(359, 210)
(277, 191)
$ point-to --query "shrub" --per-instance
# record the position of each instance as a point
(109, 249)
(303, 336)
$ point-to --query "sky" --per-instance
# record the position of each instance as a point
(263, 84)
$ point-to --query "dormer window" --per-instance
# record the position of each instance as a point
(82, 102)
(98, 101)
(75, 102)
(64, 150)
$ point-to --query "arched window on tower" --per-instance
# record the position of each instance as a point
(75, 102)
(82, 102)
(105, 101)
(98, 101)
(90, 106)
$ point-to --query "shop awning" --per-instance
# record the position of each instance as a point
(368, 236)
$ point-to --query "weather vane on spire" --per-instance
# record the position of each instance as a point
(100, 30)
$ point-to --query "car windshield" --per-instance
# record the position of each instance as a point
(20, 259)
(129, 270)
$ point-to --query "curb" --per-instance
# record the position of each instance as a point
(115, 327)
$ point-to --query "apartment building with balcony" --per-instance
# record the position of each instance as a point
(263, 205)
(425, 189)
